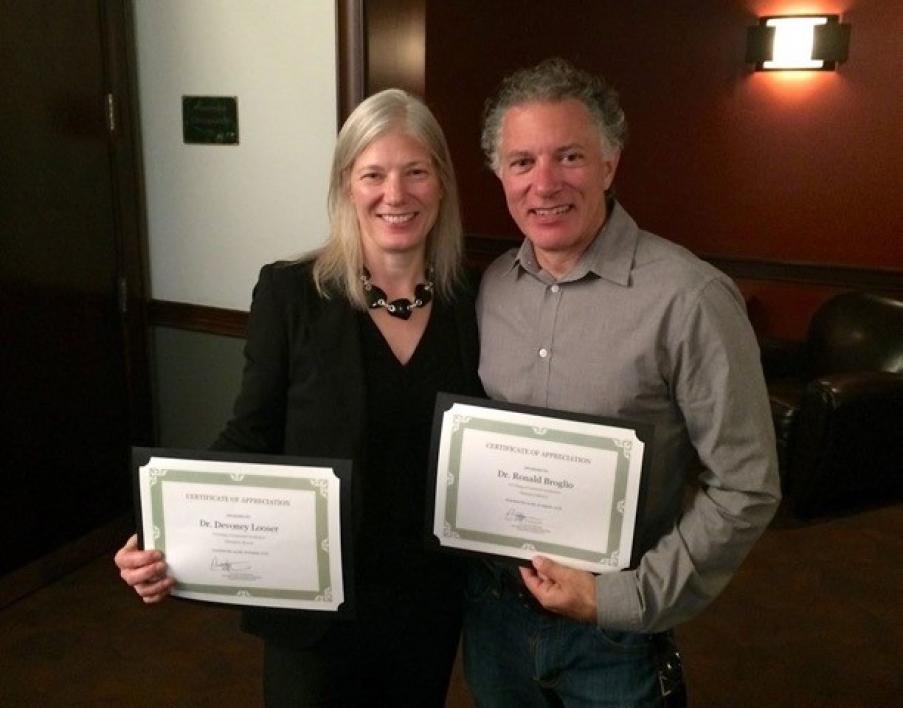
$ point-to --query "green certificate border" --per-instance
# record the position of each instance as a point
(462, 423)
(320, 487)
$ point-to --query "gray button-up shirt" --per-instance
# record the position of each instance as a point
(642, 329)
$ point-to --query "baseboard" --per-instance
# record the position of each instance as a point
(103, 540)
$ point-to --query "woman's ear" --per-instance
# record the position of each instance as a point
(346, 186)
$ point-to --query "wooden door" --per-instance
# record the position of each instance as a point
(71, 371)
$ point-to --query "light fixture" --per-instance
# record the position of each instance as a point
(798, 42)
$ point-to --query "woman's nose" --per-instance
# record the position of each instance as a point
(395, 190)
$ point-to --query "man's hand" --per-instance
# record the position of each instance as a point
(563, 590)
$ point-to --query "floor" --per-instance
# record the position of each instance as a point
(814, 618)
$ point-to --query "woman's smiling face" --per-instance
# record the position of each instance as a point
(396, 194)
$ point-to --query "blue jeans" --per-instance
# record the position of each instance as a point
(518, 656)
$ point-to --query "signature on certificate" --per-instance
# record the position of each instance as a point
(228, 566)
(520, 517)
(526, 523)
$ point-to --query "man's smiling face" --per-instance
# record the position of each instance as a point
(555, 170)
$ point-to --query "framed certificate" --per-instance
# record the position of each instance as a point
(262, 530)
(517, 481)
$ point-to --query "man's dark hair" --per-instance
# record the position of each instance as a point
(554, 80)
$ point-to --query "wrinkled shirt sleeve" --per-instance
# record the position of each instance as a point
(713, 367)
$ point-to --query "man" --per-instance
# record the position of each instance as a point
(591, 314)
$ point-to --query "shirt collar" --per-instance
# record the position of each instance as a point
(609, 256)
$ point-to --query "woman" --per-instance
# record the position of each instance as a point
(344, 356)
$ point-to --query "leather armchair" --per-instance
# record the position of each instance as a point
(837, 403)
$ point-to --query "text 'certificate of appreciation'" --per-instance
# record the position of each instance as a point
(245, 533)
(521, 484)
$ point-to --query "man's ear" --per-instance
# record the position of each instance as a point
(610, 167)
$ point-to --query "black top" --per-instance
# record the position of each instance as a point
(389, 547)
(304, 392)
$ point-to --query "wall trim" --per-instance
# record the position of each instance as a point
(482, 250)
(843, 276)
(197, 318)
(61, 561)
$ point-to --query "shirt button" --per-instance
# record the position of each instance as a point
(543, 353)
(555, 288)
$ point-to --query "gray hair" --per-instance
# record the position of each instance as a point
(554, 80)
(339, 263)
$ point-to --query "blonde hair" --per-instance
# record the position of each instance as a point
(339, 264)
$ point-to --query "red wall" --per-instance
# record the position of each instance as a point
(801, 167)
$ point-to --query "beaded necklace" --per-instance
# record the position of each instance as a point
(402, 307)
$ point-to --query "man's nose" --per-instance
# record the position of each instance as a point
(547, 177)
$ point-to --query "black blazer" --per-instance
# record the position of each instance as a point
(302, 393)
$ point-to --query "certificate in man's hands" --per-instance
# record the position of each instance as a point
(518, 482)
(247, 529)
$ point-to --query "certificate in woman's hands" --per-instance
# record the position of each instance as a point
(246, 530)
(518, 482)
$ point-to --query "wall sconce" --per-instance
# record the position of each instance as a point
(807, 42)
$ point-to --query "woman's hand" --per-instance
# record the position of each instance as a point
(145, 571)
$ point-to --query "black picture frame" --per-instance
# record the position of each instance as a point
(644, 431)
(342, 468)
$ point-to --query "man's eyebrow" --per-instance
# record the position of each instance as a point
(570, 146)
(514, 154)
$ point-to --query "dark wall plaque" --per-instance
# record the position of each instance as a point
(210, 120)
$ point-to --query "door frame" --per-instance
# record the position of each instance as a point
(130, 215)
(129, 289)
